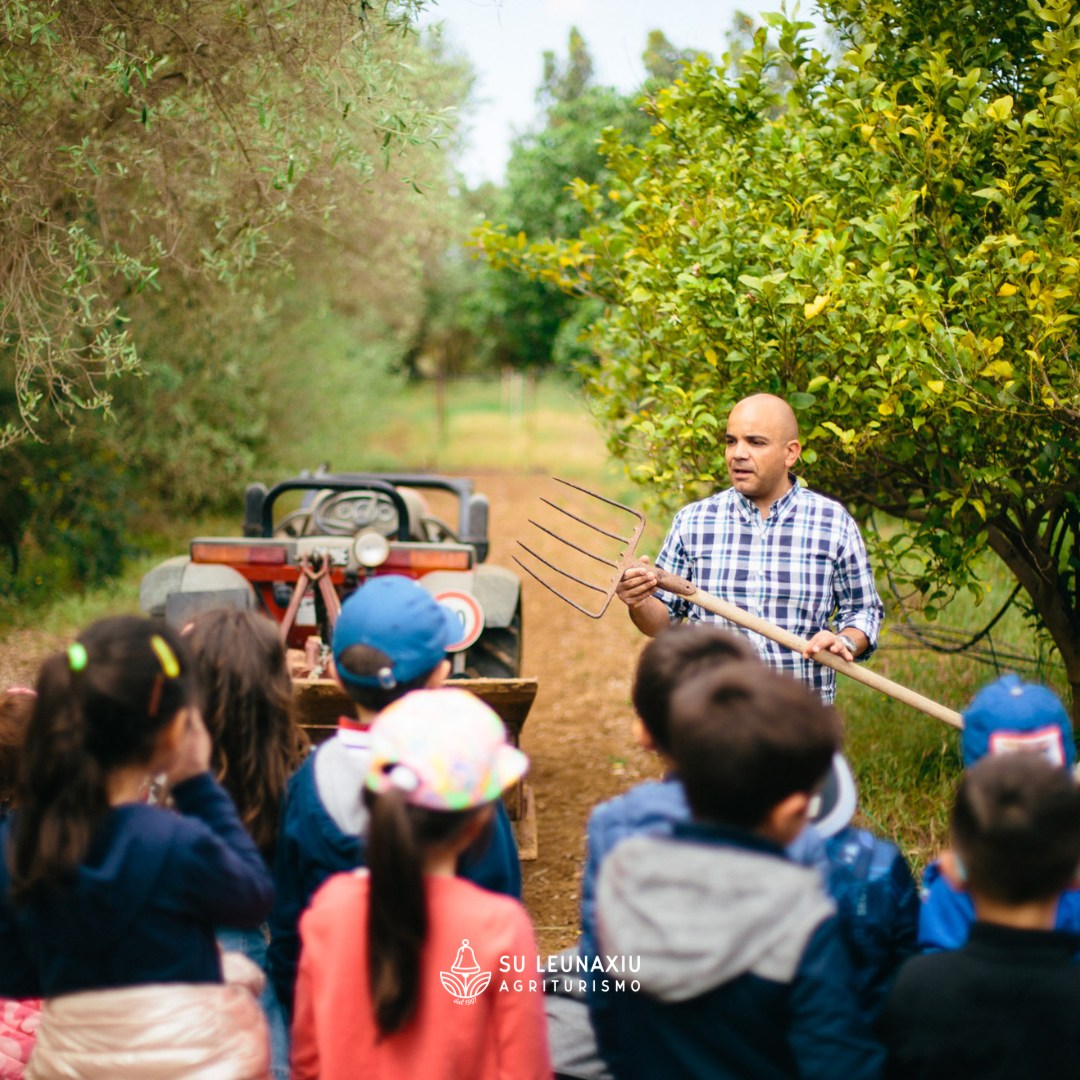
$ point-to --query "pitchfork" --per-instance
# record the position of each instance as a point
(680, 586)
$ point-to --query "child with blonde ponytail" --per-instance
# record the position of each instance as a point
(108, 904)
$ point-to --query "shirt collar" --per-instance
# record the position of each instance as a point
(351, 732)
(778, 508)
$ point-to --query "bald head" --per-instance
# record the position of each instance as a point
(761, 446)
(769, 411)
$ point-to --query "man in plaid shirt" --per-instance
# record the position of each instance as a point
(771, 546)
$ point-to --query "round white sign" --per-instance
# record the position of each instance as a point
(468, 610)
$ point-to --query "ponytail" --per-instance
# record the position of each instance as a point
(100, 705)
(397, 911)
(399, 837)
(61, 795)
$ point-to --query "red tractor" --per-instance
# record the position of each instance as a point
(310, 541)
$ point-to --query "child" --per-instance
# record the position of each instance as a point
(248, 711)
(18, 1019)
(391, 637)
(101, 892)
(402, 968)
(1008, 716)
(672, 657)
(257, 744)
(868, 878)
(742, 970)
(1003, 1004)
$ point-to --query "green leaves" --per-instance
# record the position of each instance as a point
(896, 253)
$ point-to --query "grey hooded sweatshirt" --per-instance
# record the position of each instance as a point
(742, 971)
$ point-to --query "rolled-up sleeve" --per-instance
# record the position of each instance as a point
(674, 559)
(857, 602)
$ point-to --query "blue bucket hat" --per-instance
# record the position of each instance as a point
(393, 614)
(1010, 715)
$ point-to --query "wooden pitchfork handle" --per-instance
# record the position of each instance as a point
(680, 586)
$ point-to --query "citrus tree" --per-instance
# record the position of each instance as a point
(895, 248)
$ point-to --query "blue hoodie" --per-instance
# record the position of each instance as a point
(143, 904)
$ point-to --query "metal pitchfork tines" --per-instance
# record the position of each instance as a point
(725, 609)
(624, 558)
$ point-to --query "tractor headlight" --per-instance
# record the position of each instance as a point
(371, 549)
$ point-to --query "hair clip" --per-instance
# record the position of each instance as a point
(77, 658)
(166, 657)
(386, 678)
(22, 690)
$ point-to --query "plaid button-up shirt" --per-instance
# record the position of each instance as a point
(803, 568)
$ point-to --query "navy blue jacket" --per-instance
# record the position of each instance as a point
(742, 972)
(311, 848)
(143, 905)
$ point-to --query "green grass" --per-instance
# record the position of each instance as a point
(117, 595)
(465, 426)
(906, 763)
(339, 401)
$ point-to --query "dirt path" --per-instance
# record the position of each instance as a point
(578, 733)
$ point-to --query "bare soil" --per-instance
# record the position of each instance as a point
(578, 734)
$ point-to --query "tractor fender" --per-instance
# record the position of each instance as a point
(499, 593)
(496, 589)
(178, 590)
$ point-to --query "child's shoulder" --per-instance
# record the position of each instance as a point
(861, 854)
(337, 897)
(1068, 916)
(642, 808)
(455, 901)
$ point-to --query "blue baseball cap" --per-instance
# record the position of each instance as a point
(393, 614)
(1010, 715)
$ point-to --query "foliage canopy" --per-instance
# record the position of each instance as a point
(182, 186)
(194, 139)
(895, 248)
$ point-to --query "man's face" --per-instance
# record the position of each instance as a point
(760, 450)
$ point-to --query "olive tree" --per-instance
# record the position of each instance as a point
(197, 139)
(894, 247)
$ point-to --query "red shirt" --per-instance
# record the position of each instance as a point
(499, 1033)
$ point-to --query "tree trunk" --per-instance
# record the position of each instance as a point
(1037, 571)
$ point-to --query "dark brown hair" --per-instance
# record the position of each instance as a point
(367, 661)
(399, 836)
(100, 705)
(675, 655)
(248, 710)
(745, 738)
(16, 708)
(1016, 828)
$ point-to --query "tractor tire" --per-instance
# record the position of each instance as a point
(497, 652)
